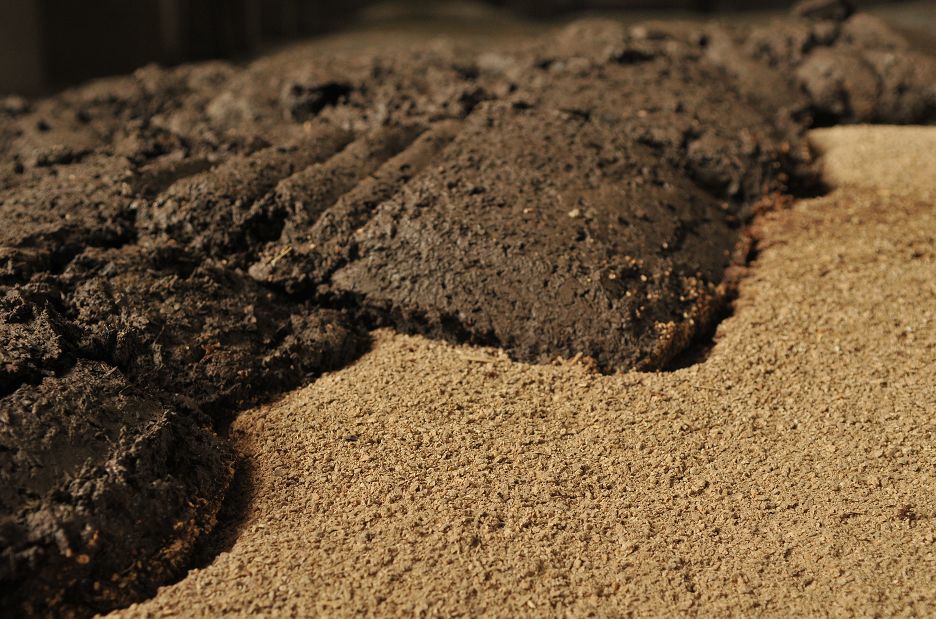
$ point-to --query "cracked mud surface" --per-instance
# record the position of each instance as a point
(179, 244)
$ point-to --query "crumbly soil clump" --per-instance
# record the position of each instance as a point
(179, 244)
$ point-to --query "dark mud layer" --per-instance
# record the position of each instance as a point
(179, 244)
(119, 488)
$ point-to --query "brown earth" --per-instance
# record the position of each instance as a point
(791, 473)
(181, 244)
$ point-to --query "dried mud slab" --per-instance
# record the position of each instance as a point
(179, 244)
(594, 212)
(604, 258)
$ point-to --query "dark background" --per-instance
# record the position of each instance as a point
(49, 44)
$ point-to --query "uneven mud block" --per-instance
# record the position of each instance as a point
(103, 491)
(277, 95)
(307, 193)
(594, 213)
(329, 202)
(544, 233)
(34, 338)
(220, 211)
(206, 335)
(653, 86)
(839, 67)
(48, 222)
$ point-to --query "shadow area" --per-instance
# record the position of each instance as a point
(231, 517)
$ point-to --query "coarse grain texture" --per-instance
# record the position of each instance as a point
(790, 473)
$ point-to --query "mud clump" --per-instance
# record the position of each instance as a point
(527, 267)
(180, 244)
(209, 337)
(113, 478)
(830, 67)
